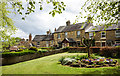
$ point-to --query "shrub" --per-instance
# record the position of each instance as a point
(110, 51)
(67, 61)
(81, 46)
(10, 54)
(66, 49)
(61, 59)
(33, 48)
(20, 50)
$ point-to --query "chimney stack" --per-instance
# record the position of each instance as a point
(55, 29)
(47, 32)
(30, 37)
(68, 23)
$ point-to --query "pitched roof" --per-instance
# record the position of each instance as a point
(60, 29)
(39, 37)
(48, 38)
(72, 27)
(43, 37)
(102, 28)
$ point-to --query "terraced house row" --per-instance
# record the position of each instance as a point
(72, 35)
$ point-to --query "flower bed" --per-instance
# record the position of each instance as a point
(88, 63)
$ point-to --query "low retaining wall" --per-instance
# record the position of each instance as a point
(17, 59)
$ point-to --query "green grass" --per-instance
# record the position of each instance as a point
(50, 65)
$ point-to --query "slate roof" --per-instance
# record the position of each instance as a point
(72, 27)
(39, 37)
(60, 29)
(102, 28)
(43, 37)
(48, 38)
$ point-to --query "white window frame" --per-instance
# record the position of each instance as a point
(66, 34)
(117, 34)
(78, 33)
(116, 42)
(90, 35)
(58, 36)
(103, 34)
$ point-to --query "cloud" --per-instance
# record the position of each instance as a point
(20, 33)
(41, 21)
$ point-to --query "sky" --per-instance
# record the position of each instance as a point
(39, 22)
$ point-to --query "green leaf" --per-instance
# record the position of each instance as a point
(23, 18)
(41, 8)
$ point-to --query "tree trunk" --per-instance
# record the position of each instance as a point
(88, 49)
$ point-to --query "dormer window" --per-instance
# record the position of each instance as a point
(65, 34)
(103, 34)
(78, 33)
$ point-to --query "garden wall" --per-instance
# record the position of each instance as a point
(84, 50)
(16, 59)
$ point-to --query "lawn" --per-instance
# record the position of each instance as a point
(50, 65)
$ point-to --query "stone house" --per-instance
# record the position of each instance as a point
(43, 40)
(71, 34)
(104, 37)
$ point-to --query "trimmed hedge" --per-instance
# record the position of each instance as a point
(9, 54)
(110, 52)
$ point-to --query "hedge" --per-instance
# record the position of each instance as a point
(9, 54)
(110, 52)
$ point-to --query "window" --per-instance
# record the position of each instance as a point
(65, 34)
(58, 36)
(103, 34)
(103, 43)
(52, 42)
(116, 42)
(38, 43)
(78, 33)
(117, 33)
(90, 35)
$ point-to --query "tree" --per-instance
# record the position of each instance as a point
(7, 27)
(10, 42)
(107, 11)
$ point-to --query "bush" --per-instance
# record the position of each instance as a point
(10, 54)
(66, 61)
(110, 51)
(81, 46)
(20, 50)
(66, 49)
(33, 48)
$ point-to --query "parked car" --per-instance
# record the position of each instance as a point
(117, 45)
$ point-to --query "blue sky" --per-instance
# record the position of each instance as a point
(39, 22)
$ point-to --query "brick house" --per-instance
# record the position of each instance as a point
(104, 37)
